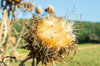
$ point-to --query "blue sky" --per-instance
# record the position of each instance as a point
(89, 9)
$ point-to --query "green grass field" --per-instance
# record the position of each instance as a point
(86, 57)
(85, 44)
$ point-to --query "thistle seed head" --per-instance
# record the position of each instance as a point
(38, 10)
(56, 32)
(51, 39)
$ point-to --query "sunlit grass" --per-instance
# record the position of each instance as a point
(85, 44)
(87, 57)
(22, 50)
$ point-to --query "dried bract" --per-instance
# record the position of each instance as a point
(27, 6)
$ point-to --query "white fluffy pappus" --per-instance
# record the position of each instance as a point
(56, 32)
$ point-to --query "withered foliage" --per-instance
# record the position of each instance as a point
(3, 63)
(12, 5)
(42, 52)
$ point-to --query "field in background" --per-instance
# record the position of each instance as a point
(84, 57)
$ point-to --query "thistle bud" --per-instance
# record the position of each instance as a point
(38, 10)
(50, 9)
